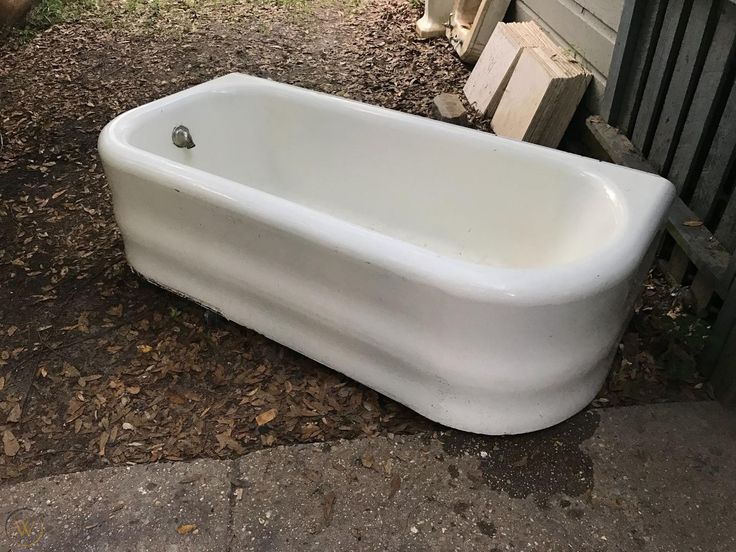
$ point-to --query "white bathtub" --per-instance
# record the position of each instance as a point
(480, 281)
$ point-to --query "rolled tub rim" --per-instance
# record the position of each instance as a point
(644, 207)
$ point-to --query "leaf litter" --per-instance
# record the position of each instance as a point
(97, 366)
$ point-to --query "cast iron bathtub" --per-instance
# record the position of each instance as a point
(480, 281)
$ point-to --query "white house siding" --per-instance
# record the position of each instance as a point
(587, 27)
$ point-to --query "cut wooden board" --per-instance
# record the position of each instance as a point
(525, 95)
(550, 122)
(532, 101)
(491, 74)
(486, 83)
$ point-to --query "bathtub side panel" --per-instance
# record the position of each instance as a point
(469, 364)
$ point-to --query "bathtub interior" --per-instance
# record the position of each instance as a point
(453, 192)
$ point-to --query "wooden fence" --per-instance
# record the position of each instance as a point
(671, 92)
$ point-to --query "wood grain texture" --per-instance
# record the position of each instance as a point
(700, 246)
(491, 74)
(643, 36)
(726, 229)
(621, 60)
(690, 58)
(697, 243)
(704, 111)
(713, 179)
(542, 93)
(660, 72)
(523, 97)
(594, 93)
(714, 263)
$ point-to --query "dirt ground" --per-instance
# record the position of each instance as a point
(99, 367)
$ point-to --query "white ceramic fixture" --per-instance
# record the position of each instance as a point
(482, 282)
(471, 23)
(436, 16)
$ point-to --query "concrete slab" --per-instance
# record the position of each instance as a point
(136, 508)
(652, 478)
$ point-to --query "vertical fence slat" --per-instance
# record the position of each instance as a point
(629, 29)
(719, 356)
(671, 90)
(730, 275)
(723, 380)
(684, 79)
(677, 264)
(658, 79)
(726, 229)
(718, 164)
(694, 141)
(632, 76)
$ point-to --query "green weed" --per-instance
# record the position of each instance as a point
(51, 12)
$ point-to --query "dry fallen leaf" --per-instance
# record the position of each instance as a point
(145, 348)
(104, 438)
(267, 416)
(15, 413)
(225, 440)
(115, 311)
(78, 251)
(186, 528)
(74, 409)
(10, 443)
(69, 371)
(83, 323)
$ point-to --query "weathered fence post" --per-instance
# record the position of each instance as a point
(672, 92)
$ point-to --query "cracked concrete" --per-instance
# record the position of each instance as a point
(652, 478)
(126, 508)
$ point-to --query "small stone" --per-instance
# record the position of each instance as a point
(450, 109)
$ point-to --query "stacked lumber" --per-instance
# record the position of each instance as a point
(527, 84)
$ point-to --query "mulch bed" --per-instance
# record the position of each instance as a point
(99, 367)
